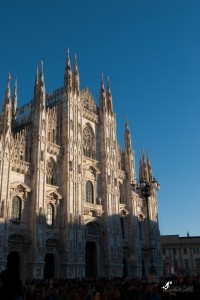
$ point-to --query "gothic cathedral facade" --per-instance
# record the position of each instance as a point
(66, 204)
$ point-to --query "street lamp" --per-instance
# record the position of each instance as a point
(144, 188)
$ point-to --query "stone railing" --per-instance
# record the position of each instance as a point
(92, 209)
(53, 148)
(21, 166)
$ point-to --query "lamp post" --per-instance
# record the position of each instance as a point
(144, 188)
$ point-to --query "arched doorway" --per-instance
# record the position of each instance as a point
(90, 260)
(49, 269)
(13, 260)
(19, 245)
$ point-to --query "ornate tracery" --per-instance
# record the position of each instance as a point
(88, 142)
(51, 177)
(52, 123)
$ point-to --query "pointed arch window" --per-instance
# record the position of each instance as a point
(88, 142)
(89, 192)
(50, 214)
(16, 209)
(51, 177)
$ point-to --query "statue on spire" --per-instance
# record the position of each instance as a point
(7, 107)
(42, 91)
(14, 104)
(68, 73)
(109, 96)
(127, 137)
(102, 96)
(76, 80)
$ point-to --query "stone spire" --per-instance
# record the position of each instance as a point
(76, 80)
(14, 103)
(129, 155)
(42, 90)
(149, 168)
(7, 94)
(102, 96)
(68, 73)
(145, 168)
(109, 96)
(127, 137)
(7, 107)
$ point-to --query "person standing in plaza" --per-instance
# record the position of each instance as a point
(108, 293)
(11, 287)
(96, 295)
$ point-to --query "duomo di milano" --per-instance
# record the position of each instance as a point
(66, 204)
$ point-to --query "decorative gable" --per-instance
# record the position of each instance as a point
(19, 189)
(53, 196)
(88, 100)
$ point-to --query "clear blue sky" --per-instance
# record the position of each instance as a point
(151, 52)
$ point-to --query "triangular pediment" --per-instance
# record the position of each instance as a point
(88, 100)
(54, 194)
(20, 185)
(86, 94)
(95, 169)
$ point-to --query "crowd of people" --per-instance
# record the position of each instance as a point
(11, 288)
(116, 288)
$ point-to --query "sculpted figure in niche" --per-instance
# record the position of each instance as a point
(99, 200)
(51, 177)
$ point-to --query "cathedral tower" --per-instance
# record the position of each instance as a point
(66, 204)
